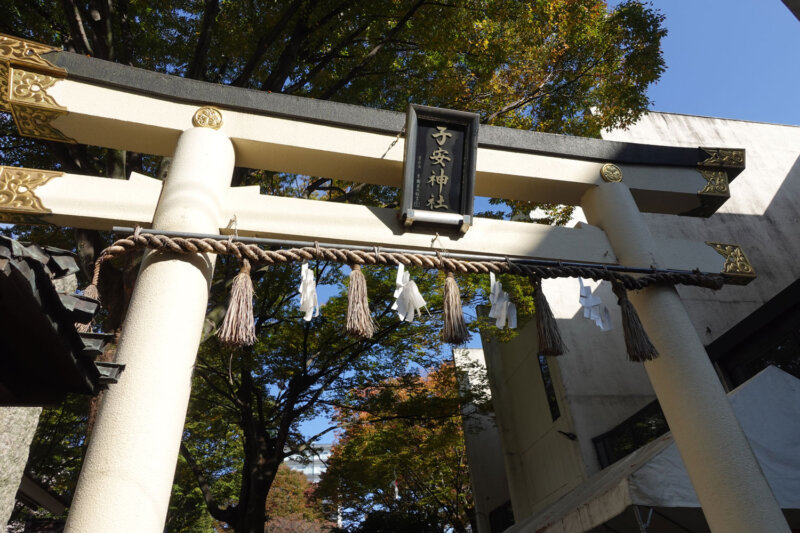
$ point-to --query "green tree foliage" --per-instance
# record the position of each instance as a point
(290, 502)
(247, 403)
(401, 458)
(551, 65)
(187, 508)
(565, 66)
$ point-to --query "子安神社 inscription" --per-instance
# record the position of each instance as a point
(439, 173)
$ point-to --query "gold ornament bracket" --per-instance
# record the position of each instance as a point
(34, 110)
(28, 54)
(737, 269)
(5, 105)
(718, 166)
(722, 158)
(716, 183)
(25, 77)
(18, 199)
(714, 194)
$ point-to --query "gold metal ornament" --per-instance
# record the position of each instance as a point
(717, 182)
(38, 219)
(31, 88)
(723, 157)
(207, 117)
(737, 266)
(25, 77)
(17, 190)
(21, 52)
(611, 173)
(33, 108)
(36, 122)
(5, 105)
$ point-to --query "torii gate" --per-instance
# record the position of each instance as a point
(126, 479)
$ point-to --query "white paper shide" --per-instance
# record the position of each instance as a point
(309, 304)
(408, 299)
(593, 308)
(503, 309)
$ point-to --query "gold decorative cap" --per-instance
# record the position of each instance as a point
(737, 268)
(723, 158)
(207, 117)
(18, 189)
(28, 54)
(25, 77)
(611, 173)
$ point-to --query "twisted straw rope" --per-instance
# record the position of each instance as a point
(255, 254)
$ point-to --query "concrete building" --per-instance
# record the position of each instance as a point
(563, 420)
(311, 466)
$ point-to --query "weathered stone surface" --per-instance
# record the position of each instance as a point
(17, 426)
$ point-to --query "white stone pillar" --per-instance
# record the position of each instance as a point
(728, 480)
(127, 474)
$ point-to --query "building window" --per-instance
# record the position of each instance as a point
(549, 390)
(777, 344)
(646, 425)
(770, 335)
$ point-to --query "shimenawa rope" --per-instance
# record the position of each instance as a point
(255, 254)
(359, 321)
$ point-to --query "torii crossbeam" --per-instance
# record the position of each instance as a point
(207, 129)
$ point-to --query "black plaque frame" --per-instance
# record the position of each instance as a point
(469, 122)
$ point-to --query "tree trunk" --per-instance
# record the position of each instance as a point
(252, 505)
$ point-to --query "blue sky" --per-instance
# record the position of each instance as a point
(731, 59)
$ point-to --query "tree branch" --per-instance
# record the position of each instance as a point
(197, 66)
(263, 44)
(125, 54)
(347, 78)
(288, 58)
(46, 13)
(333, 371)
(326, 59)
(100, 20)
(227, 396)
(520, 102)
(73, 15)
(315, 185)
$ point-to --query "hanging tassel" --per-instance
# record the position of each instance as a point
(359, 322)
(550, 342)
(91, 292)
(636, 340)
(455, 330)
(238, 327)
